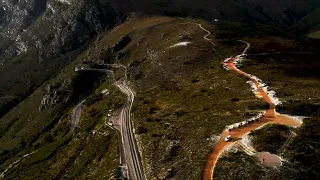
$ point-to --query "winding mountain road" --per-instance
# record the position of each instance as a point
(129, 152)
(206, 36)
(247, 47)
(15, 163)
(270, 116)
(75, 116)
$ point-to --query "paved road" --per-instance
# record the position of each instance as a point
(75, 116)
(123, 161)
(133, 159)
(129, 153)
(16, 163)
(119, 66)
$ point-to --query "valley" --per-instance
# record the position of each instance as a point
(95, 89)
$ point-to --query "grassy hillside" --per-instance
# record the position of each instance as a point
(314, 35)
(295, 79)
(307, 24)
(55, 32)
(184, 99)
(169, 84)
(68, 155)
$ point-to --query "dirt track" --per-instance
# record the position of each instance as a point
(270, 116)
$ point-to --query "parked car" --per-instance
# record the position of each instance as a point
(244, 123)
(228, 138)
(230, 128)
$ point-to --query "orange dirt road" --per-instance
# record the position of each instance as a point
(270, 116)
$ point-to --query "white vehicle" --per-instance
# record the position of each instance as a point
(227, 60)
(259, 116)
(228, 138)
(226, 67)
(244, 123)
(243, 55)
(238, 125)
(230, 128)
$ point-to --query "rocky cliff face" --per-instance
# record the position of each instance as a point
(37, 37)
(56, 94)
(49, 27)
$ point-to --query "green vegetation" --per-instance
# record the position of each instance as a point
(270, 138)
(301, 157)
(184, 99)
(184, 96)
(176, 105)
(294, 77)
(238, 165)
(60, 153)
(303, 152)
(314, 35)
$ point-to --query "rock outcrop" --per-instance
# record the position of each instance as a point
(56, 94)
(49, 27)
(39, 37)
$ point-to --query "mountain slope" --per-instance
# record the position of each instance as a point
(184, 96)
(37, 38)
(39, 43)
